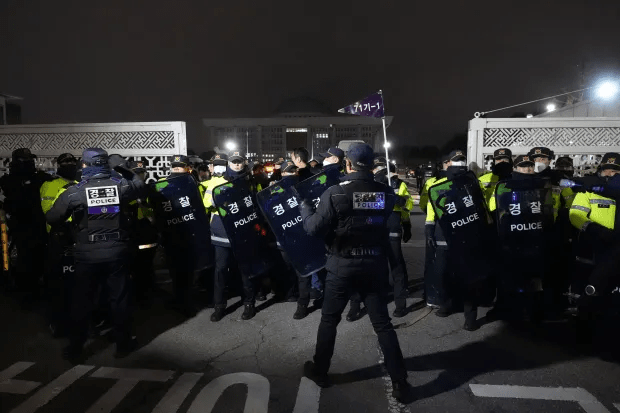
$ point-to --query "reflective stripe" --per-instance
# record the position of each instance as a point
(145, 246)
(208, 191)
(429, 223)
(584, 260)
(581, 208)
(214, 238)
(585, 225)
(487, 184)
(442, 243)
(603, 201)
(394, 235)
(47, 198)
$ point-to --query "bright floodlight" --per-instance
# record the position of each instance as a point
(607, 90)
(386, 145)
(529, 115)
(550, 107)
(230, 145)
(394, 162)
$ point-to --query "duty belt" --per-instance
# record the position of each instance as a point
(362, 252)
(104, 237)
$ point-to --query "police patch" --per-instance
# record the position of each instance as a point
(102, 195)
(368, 200)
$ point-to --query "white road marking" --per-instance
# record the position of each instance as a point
(617, 406)
(257, 400)
(177, 394)
(587, 401)
(394, 406)
(127, 380)
(308, 397)
(47, 393)
(8, 385)
(414, 243)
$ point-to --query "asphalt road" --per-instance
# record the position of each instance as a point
(194, 365)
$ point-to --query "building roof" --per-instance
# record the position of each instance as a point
(302, 106)
(10, 97)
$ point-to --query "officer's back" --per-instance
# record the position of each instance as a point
(101, 231)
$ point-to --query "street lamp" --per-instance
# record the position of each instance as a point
(607, 90)
(386, 145)
(231, 146)
(550, 107)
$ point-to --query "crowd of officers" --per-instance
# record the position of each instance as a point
(95, 224)
(529, 279)
(100, 259)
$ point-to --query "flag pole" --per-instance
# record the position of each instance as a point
(385, 145)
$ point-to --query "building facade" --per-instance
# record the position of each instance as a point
(297, 122)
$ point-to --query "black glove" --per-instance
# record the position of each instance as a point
(429, 232)
(406, 231)
(116, 160)
(596, 233)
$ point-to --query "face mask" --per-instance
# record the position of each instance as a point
(502, 169)
(219, 169)
(326, 162)
(458, 163)
(67, 171)
(539, 167)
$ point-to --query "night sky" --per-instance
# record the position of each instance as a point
(437, 62)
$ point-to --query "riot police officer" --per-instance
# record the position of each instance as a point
(26, 221)
(103, 249)
(145, 239)
(58, 276)
(500, 169)
(353, 216)
(224, 259)
(595, 217)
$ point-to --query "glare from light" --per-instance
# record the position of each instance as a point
(550, 107)
(529, 115)
(394, 162)
(386, 145)
(231, 146)
(607, 90)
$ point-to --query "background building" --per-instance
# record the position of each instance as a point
(10, 110)
(296, 122)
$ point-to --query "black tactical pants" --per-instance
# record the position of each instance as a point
(224, 260)
(143, 271)
(398, 268)
(112, 276)
(365, 276)
(59, 274)
(181, 265)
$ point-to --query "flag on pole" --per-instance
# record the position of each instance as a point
(371, 106)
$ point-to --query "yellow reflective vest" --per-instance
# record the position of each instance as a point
(488, 182)
(207, 199)
(405, 209)
(589, 207)
(424, 194)
(50, 191)
(430, 212)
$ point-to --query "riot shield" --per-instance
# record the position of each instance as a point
(244, 225)
(524, 219)
(182, 219)
(279, 205)
(524, 213)
(312, 188)
(460, 210)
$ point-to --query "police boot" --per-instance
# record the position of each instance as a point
(311, 372)
(218, 314)
(400, 310)
(401, 391)
(248, 312)
(355, 312)
(471, 313)
(302, 311)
